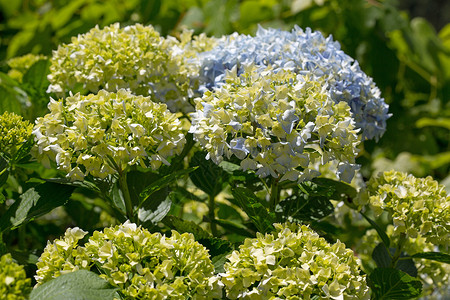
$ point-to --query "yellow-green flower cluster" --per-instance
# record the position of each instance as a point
(418, 206)
(293, 263)
(134, 57)
(62, 256)
(14, 284)
(434, 275)
(20, 65)
(14, 131)
(279, 124)
(103, 134)
(141, 264)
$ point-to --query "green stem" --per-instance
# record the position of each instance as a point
(398, 251)
(126, 195)
(211, 215)
(274, 194)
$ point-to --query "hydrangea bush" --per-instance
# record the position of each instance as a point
(141, 264)
(202, 148)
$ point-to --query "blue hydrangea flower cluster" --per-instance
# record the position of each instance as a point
(304, 52)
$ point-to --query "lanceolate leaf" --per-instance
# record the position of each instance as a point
(3, 171)
(255, 209)
(81, 284)
(181, 226)
(383, 259)
(390, 284)
(35, 202)
(437, 256)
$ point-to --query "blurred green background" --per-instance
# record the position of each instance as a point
(403, 45)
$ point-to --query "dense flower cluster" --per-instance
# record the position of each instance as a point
(20, 65)
(14, 284)
(435, 275)
(13, 132)
(134, 57)
(104, 133)
(293, 263)
(418, 206)
(143, 265)
(304, 52)
(278, 124)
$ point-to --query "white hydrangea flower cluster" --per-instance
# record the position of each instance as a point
(418, 206)
(294, 262)
(104, 133)
(278, 124)
(434, 275)
(134, 57)
(303, 52)
(141, 264)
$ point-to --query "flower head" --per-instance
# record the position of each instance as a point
(134, 57)
(146, 265)
(14, 131)
(418, 206)
(291, 263)
(304, 52)
(14, 284)
(104, 133)
(277, 123)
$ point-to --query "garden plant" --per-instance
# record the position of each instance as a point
(145, 156)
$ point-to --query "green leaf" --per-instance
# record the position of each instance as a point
(219, 250)
(35, 202)
(439, 122)
(309, 203)
(255, 209)
(383, 259)
(340, 190)
(389, 283)
(155, 213)
(36, 75)
(234, 227)
(13, 97)
(160, 184)
(381, 256)
(81, 284)
(380, 231)
(208, 177)
(437, 256)
(4, 172)
(182, 226)
(23, 153)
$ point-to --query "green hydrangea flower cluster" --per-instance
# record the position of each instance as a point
(294, 262)
(20, 65)
(14, 131)
(134, 57)
(14, 284)
(278, 123)
(104, 133)
(418, 206)
(434, 275)
(143, 265)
